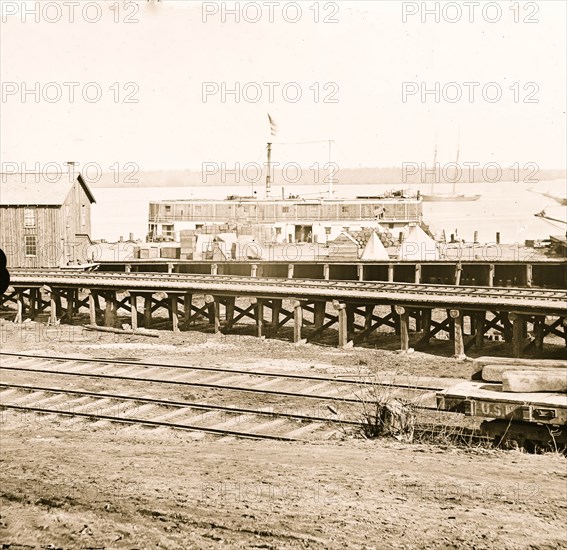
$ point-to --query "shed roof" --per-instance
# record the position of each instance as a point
(38, 189)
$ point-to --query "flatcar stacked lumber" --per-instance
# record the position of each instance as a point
(523, 375)
(504, 363)
(525, 381)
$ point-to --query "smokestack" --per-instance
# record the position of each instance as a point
(71, 169)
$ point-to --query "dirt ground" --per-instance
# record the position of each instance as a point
(68, 483)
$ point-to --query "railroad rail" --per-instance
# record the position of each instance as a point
(359, 382)
(474, 266)
(510, 308)
(442, 295)
(196, 416)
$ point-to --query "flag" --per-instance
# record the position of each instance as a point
(273, 125)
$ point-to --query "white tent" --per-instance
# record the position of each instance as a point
(374, 249)
(247, 248)
(203, 245)
(418, 246)
(225, 242)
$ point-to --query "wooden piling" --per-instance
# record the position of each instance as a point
(319, 315)
(458, 333)
(147, 311)
(216, 316)
(368, 317)
(229, 311)
(479, 330)
(52, 309)
(403, 314)
(297, 321)
(458, 273)
(20, 308)
(260, 318)
(110, 309)
(70, 305)
(539, 325)
(174, 313)
(350, 319)
(187, 302)
(92, 309)
(529, 275)
(518, 329)
(425, 321)
(134, 311)
(396, 319)
(211, 308)
(290, 271)
(33, 302)
(343, 323)
(491, 271)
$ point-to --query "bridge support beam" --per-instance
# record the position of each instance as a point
(356, 318)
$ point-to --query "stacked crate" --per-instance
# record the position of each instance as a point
(187, 240)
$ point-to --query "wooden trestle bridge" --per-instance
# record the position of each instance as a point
(416, 312)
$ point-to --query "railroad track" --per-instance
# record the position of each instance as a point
(323, 407)
(228, 283)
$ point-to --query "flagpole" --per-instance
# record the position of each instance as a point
(269, 171)
(331, 172)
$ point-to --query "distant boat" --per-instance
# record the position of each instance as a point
(449, 197)
(561, 200)
(544, 216)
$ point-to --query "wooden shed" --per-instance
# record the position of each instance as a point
(45, 219)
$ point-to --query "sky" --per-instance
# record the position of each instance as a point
(151, 73)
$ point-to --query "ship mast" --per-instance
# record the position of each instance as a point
(456, 166)
(331, 172)
(434, 167)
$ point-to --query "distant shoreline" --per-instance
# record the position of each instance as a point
(393, 177)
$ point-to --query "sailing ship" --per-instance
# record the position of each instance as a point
(447, 197)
